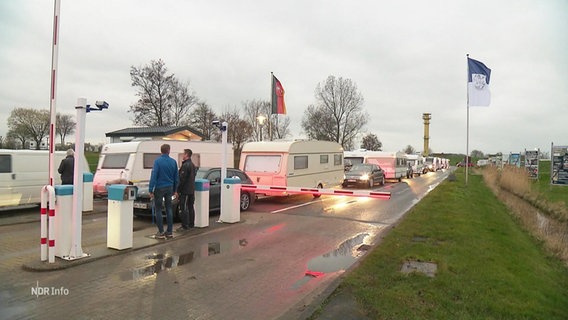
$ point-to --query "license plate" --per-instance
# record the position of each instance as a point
(139, 205)
(351, 180)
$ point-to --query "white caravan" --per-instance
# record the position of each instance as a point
(132, 162)
(416, 162)
(299, 163)
(393, 163)
(24, 172)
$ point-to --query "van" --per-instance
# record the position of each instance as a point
(23, 173)
(298, 163)
(394, 164)
(132, 162)
(416, 162)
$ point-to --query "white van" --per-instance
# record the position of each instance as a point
(299, 163)
(132, 162)
(416, 161)
(23, 173)
(393, 163)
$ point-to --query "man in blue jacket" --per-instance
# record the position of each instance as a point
(163, 185)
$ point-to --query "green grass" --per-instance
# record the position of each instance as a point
(92, 160)
(556, 193)
(488, 268)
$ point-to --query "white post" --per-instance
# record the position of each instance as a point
(76, 251)
(53, 91)
(224, 129)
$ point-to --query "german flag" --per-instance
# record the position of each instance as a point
(278, 105)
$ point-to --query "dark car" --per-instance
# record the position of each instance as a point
(143, 204)
(365, 174)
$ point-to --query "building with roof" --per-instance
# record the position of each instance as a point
(180, 133)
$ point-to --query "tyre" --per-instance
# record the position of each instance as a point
(245, 201)
(383, 181)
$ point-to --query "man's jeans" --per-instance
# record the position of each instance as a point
(187, 210)
(159, 195)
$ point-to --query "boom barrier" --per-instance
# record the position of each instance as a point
(316, 192)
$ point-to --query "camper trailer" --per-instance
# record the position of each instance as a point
(300, 163)
(416, 162)
(393, 163)
(23, 173)
(132, 162)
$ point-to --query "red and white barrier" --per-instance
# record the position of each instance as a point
(315, 191)
(47, 227)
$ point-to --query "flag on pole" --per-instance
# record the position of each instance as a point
(478, 76)
(278, 105)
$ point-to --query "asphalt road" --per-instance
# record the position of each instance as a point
(279, 261)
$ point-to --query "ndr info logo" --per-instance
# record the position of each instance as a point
(49, 291)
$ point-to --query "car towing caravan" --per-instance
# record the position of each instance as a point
(416, 162)
(132, 162)
(298, 163)
(24, 172)
(393, 163)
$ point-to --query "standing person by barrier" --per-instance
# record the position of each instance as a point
(163, 185)
(186, 191)
(66, 167)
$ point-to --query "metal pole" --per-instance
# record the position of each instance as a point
(467, 124)
(76, 250)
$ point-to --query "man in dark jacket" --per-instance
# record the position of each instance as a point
(66, 167)
(186, 191)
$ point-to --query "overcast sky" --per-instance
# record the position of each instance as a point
(406, 58)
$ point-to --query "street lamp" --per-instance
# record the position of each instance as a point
(261, 118)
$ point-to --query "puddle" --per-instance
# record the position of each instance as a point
(337, 260)
(163, 262)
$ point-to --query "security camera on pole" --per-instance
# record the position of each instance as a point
(82, 108)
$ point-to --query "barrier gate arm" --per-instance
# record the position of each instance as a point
(315, 191)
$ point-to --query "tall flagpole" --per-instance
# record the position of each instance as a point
(270, 115)
(467, 123)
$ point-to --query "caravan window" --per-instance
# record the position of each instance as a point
(5, 163)
(148, 159)
(337, 159)
(115, 161)
(324, 158)
(300, 162)
(262, 163)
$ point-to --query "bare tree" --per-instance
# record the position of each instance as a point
(162, 99)
(338, 115)
(477, 154)
(32, 124)
(240, 131)
(64, 126)
(274, 127)
(201, 119)
(409, 150)
(371, 142)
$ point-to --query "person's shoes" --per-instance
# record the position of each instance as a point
(169, 235)
(182, 229)
(160, 235)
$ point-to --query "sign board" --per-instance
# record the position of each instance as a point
(515, 159)
(531, 163)
(559, 165)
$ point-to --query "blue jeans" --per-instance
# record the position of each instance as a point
(159, 195)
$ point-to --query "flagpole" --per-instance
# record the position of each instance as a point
(467, 123)
(271, 113)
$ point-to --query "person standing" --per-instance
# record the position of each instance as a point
(186, 191)
(67, 168)
(163, 185)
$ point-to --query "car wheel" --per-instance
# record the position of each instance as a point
(371, 183)
(245, 201)
(317, 195)
(383, 181)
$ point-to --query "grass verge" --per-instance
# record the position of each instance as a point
(488, 267)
